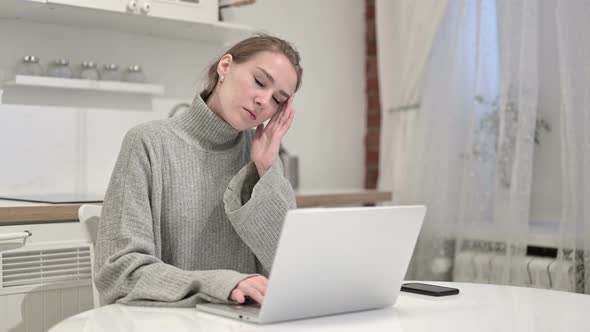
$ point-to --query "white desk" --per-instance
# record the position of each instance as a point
(477, 308)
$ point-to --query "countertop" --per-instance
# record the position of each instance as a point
(14, 212)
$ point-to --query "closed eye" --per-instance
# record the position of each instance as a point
(260, 84)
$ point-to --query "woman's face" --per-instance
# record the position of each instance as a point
(251, 92)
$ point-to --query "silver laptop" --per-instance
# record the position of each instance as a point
(335, 260)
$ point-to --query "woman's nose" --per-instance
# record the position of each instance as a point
(263, 98)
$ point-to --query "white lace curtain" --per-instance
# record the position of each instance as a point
(405, 30)
(573, 26)
(474, 140)
(467, 151)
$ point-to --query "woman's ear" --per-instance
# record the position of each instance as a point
(224, 65)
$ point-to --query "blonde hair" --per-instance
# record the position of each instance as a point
(246, 49)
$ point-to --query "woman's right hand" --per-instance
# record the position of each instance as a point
(253, 287)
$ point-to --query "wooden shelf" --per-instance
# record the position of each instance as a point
(90, 85)
(13, 215)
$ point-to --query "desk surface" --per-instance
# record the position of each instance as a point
(477, 308)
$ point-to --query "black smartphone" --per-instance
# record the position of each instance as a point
(426, 289)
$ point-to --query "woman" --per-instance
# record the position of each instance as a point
(195, 204)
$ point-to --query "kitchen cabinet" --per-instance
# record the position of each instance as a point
(110, 5)
(193, 20)
(190, 11)
(182, 10)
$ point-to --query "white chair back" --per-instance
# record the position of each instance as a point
(89, 215)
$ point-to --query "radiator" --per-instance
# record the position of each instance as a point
(44, 278)
(526, 271)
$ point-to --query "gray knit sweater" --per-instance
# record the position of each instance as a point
(186, 216)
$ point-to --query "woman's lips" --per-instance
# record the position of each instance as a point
(250, 112)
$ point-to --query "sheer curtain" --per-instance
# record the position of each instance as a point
(574, 64)
(474, 140)
(405, 31)
(463, 139)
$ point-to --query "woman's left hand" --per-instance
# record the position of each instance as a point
(267, 141)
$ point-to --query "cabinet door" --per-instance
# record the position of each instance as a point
(110, 5)
(182, 10)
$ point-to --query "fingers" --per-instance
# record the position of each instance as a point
(281, 121)
(290, 110)
(253, 293)
(287, 109)
(259, 284)
(253, 287)
(287, 117)
(259, 130)
(280, 111)
(238, 296)
(289, 120)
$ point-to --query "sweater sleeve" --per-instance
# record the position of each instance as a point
(257, 207)
(129, 268)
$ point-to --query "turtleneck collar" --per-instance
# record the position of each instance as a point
(203, 125)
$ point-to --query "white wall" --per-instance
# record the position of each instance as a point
(329, 128)
(48, 150)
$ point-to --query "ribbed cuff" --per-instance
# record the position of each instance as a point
(259, 221)
(243, 186)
